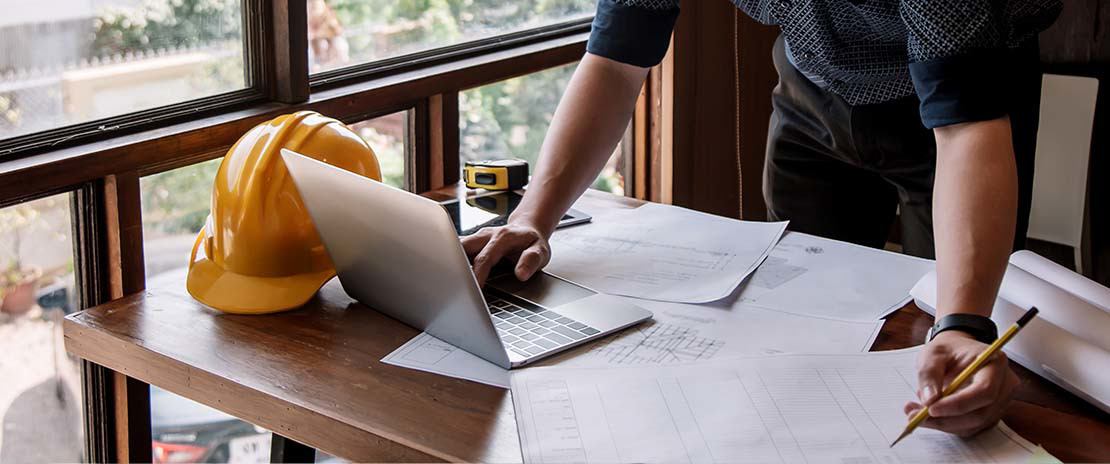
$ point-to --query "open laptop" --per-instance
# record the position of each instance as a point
(399, 253)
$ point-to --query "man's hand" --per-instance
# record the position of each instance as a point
(976, 405)
(518, 240)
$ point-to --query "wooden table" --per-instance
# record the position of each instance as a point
(313, 375)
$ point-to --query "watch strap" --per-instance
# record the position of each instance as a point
(981, 328)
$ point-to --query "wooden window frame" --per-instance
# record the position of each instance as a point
(102, 161)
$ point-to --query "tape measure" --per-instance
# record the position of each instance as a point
(507, 174)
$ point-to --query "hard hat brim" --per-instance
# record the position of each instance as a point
(242, 294)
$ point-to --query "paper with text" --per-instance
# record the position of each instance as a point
(662, 252)
(811, 275)
(678, 333)
(785, 408)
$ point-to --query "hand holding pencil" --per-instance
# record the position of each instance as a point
(968, 411)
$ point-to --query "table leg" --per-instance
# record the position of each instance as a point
(287, 450)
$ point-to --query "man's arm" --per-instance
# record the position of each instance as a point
(974, 214)
(626, 38)
(592, 115)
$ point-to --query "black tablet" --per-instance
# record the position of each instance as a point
(493, 209)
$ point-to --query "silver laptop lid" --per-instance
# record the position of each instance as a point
(398, 253)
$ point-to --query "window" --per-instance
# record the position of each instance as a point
(509, 119)
(40, 400)
(345, 32)
(388, 136)
(175, 207)
(67, 62)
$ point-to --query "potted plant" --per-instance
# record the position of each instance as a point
(17, 282)
(17, 289)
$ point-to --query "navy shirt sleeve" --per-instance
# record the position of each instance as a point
(961, 59)
(636, 32)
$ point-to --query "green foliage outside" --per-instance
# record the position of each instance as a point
(509, 119)
(169, 24)
(177, 201)
(421, 24)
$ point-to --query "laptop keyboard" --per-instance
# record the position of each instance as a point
(531, 331)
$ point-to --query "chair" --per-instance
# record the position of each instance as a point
(1059, 209)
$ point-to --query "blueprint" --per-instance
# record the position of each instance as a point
(810, 275)
(662, 252)
(656, 343)
(784, 408)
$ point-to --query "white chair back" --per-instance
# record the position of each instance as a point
(1067, 116)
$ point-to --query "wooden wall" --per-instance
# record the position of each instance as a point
(720, 75)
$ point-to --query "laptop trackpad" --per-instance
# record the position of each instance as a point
(542, 289)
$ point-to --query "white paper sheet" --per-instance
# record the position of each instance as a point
(816, 276)
(679, 333)
(429, 354)
(1052, 352)
(662, 252)
(787, 408)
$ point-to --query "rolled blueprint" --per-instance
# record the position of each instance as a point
(1065, 310)
(1054, 354)
(1062, 277)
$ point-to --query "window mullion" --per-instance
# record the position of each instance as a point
(443, 138)
(109, 263)
(283, 48)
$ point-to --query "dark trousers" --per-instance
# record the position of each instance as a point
(844, 172)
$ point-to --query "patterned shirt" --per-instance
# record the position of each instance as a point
(953, 54)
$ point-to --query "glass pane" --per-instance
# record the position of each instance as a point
(509, 119)
(175, 206)
(40, 398)
(68, 61)
(345, 32)
(387, 135)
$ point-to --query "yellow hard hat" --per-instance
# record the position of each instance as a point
(261, 250)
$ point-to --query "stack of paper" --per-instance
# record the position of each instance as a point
(683, 387)
(812, 295)
(788, 408)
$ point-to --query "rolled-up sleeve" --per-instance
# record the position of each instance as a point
(635, 32)
(961, 54)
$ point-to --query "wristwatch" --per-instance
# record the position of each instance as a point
(981, 328)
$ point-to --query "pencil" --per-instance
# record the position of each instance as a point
(969, 371)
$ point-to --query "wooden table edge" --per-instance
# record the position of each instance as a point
(82, 341)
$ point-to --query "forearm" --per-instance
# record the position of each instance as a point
(591, 118)
(974, 214)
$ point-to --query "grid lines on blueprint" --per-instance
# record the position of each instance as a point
(656, 343)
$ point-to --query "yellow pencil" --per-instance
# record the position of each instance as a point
(967, 373)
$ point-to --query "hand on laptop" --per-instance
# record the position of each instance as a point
(518, 241)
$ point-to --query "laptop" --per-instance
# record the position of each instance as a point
(399, 253)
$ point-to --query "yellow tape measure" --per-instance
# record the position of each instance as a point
(508, 174)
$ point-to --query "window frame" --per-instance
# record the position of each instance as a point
(256, 67)
(102, 161)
